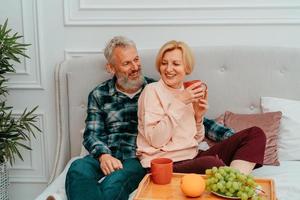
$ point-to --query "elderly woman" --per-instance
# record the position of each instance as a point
(171, 121)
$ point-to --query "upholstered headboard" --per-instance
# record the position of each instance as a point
(236, 77)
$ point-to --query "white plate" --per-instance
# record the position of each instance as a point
(221, 195)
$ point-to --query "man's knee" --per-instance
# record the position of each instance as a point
(81, 167)
(129, 172)
(133, 166)
(114, 186)
(124, 181)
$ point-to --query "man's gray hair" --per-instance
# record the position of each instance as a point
(117, 41)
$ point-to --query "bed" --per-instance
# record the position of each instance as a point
(237, 78)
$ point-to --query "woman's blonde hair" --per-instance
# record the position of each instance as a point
(187, 54)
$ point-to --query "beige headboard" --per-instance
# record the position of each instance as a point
(236, 77)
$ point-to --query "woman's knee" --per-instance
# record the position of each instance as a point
(208, 162)
(213, 161)
(257, 133)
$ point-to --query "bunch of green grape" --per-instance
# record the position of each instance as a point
(232, 183)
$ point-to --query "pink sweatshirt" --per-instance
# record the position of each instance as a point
(167, 127)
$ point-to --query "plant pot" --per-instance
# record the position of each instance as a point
(3, 182)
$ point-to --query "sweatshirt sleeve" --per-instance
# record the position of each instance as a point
(200, 131)
(158, 118)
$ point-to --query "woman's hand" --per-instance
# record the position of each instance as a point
(200, 108)
(191, 94)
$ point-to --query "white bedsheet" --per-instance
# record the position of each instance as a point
(286, 176)
(57, 187)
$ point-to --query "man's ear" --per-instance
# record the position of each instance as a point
(110, 68)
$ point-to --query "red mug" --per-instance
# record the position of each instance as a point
(161, 170)
(203, 85)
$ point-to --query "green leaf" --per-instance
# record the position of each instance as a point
(24, 146)
(13, 131)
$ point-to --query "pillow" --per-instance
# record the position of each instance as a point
(289, 132)
(268, 122)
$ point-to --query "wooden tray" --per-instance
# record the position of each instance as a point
(148, 190)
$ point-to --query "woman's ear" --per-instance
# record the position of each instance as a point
(110, 68)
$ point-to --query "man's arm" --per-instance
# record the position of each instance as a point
(216, 131)
(95, 137)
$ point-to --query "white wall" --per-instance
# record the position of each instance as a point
(59, 29)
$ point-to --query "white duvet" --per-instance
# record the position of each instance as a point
(286, 177)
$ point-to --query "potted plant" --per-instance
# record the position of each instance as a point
(14, 131)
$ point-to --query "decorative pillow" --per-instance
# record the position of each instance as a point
(289, 132)
(268, 122)
(221, 119)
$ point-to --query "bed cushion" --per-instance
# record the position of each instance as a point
(289, 132)
(268, 122)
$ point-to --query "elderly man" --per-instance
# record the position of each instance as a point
(111, 130)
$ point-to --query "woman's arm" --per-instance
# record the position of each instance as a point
(200, 131)
(158, 118)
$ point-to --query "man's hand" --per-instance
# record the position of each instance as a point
(109, 164)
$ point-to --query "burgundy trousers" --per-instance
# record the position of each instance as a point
(248, 145)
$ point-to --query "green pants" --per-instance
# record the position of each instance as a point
(84, 174)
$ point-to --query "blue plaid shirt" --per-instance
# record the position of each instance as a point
(111, 122)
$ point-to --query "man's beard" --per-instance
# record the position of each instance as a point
(128, 84)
